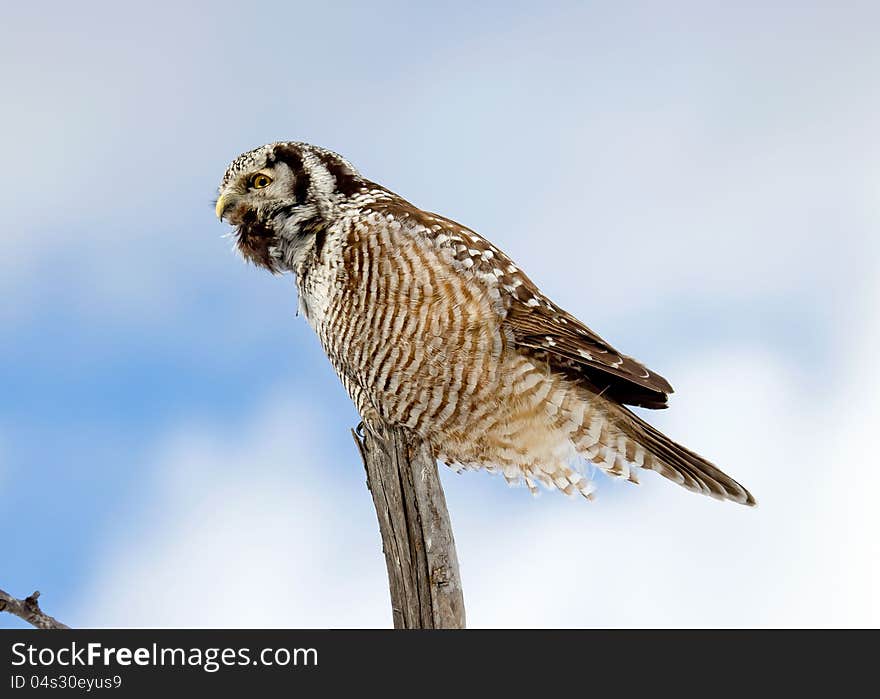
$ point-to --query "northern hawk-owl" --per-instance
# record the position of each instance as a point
(432, 327)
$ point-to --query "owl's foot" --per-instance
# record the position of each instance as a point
(370, 422)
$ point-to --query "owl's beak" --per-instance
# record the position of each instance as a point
(222, 205)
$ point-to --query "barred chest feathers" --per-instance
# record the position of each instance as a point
(320, 275)
(392, 305)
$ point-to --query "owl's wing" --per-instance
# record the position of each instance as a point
(542, 329)
(545, 330)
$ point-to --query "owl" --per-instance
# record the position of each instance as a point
(433, 328)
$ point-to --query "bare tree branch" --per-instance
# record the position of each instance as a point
(416, 532)
(29, 610)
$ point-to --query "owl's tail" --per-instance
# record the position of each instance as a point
(620, 442)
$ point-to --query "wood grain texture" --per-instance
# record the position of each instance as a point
(417, 538)
(29, 610)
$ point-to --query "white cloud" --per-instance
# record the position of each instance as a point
(251, 529)
(246, 529)
(714, 188)
(852, 518)
(657, 555)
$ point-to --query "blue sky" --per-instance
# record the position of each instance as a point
(696, 181)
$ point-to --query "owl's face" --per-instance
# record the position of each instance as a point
(279, 195)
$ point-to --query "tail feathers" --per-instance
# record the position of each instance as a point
(620, 443)
(682, 466)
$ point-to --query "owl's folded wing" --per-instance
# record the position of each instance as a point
(542, 329)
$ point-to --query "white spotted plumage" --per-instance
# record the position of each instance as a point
(430, 326)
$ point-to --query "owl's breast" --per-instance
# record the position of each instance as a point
(412, 337)
(321, 279)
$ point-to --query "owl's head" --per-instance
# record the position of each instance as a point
(280, 197)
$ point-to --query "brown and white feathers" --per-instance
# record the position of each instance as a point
(431, 326)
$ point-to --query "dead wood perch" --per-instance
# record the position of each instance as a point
(416, 532)
(29, 610)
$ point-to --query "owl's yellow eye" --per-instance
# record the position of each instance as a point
(260, 180)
